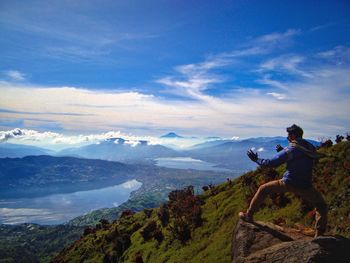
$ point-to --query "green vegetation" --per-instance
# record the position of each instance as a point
(149, 235)
(31, 242)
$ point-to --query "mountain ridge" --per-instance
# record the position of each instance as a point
(171, 135)
(121, 150)
(20, 150)
(41, 175)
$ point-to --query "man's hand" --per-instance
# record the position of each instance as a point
(252, 156)
(279, 148)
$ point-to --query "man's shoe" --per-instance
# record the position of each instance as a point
(244, 216)
(319, 233)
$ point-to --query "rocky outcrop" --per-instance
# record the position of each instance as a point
(266, 242)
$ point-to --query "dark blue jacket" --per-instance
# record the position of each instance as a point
(299, 163)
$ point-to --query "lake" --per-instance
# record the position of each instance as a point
(59, 208)
(188, 163)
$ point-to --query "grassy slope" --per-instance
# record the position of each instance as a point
(212, 241)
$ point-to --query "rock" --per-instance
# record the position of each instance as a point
(266, 242)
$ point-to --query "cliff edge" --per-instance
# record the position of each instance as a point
(267, 242)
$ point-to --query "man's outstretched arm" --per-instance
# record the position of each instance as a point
(280, 158)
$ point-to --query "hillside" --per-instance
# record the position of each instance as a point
(193, 228)
(19, 150)
(42, 175)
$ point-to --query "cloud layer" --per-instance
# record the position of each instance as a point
(58, 141)
(311, 90)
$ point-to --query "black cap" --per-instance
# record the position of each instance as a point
(296, 130)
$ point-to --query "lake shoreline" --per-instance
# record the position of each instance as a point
(56, 209)
(44, 190)
(189, 163)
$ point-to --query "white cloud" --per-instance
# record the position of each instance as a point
(245, 52)
(266, 79)
(321, 27)
(287, 64)
(26, 134)
(203, 67)
(191, 80)
(277, 37)
(57, 141)
(132, 143)
(15, 75)
(56, 138)
(276, 95)
(131, 184)
(339, 55)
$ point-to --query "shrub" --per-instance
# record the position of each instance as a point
(163, 214)
(138, 258)
(147, 212)
(104, 223)
(151, 230)
(89, 230)
(186, 212)
(339, 138)
(326, 144)
(205, 188)
(121, 243)
(127, 213)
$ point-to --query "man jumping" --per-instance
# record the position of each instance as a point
(299, 156)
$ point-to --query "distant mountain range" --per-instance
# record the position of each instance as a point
(171, 135)
(40, 175)
(118, 149)
(20, 150)
(225, 153)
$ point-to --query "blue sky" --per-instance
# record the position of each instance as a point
(206, 68)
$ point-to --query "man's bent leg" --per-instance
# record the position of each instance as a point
(321, 218)
(314, 197)
(277, 186)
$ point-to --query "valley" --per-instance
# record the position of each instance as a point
(50, 183)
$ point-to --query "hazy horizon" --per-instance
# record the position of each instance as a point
(57, 141)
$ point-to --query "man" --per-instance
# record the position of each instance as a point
(299, 156)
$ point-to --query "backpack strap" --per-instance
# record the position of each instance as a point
(310, 153)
